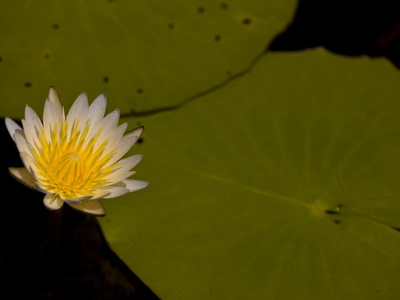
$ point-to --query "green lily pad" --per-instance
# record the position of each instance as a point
(144, 54)
(281, 185)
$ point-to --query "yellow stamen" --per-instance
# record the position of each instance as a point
(68, 164)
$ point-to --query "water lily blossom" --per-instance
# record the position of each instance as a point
(78, 158)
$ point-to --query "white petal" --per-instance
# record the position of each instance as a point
(100, 193)
(53, 201)
(57, 109)
(116, 190)
(108, 127)
(72, 201)
(97, 109)
(21, 143)
(125, 186)
(118, 176)
(95, 117)
(92, 207)
(31, 117)
(112, 139)
(135, 132)
(130, 162)
(22, 175)
(53, 97)
(79, 111)
(28, 162)
(12, 127)
(126, 143)
(32, 125)
(135, 185)
(123, 168)
(51, 117)
(109, 123)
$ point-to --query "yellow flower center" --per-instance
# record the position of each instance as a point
(68, 168)
(70, 165)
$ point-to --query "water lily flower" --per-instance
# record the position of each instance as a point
(76, 159)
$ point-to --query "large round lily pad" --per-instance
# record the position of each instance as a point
(282, 185)
(144, 54)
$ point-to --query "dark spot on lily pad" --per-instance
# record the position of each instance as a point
(27, 84)
(200, 10)
(331, 212)
(139, 91)
(246, 21)
(56, 26)
(105, 79)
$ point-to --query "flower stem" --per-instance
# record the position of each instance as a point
(53, 233)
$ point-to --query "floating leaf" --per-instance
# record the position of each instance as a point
(144, 54)
(281, 185)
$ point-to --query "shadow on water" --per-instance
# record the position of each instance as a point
(84, 268)
(354, 28)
